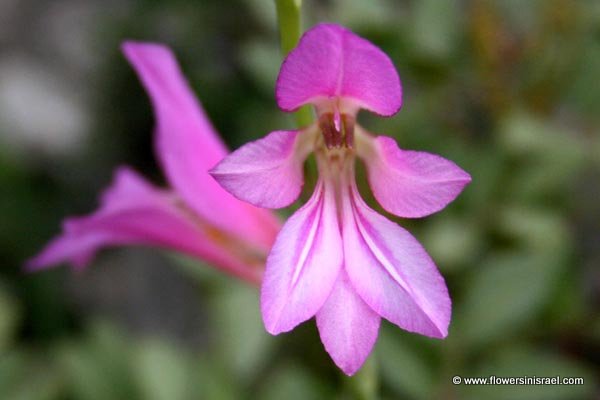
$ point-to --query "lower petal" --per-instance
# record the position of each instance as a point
(135, 212)
(303, 265)
(348, 327)
(392, 272)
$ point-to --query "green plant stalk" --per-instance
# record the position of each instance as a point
(290, 28)
(364, 385)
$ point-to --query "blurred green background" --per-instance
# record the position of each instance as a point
(507, 89)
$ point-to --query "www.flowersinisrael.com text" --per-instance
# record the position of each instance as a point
(517, 380)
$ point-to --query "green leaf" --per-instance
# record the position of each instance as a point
(506, 292)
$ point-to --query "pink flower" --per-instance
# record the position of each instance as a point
(196, 216)
(336, 258)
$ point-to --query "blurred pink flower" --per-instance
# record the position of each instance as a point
(336, 258)
(196, 216)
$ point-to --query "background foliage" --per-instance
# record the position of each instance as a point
(507, 89)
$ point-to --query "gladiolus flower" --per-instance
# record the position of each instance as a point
(196, 216)
(336, 258)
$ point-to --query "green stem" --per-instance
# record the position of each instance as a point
(290, 28)
(288, 16)
(364, 385)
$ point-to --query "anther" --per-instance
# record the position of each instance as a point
(348, 127)
(334, 137)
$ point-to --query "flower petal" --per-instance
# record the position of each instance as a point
(391, 271)
(332, 62)
(348, 327)
(303, 265)
(267, 172)
(135, 212)
(410, 184)
(188, 146)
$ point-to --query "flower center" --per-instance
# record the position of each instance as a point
(337, 129)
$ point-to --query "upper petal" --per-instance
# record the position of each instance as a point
(135, 212)
(188, 146)
(407, 183)
(391, 271)
(303, 265)
(330, 61)
(267, 172)
(348, 327)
